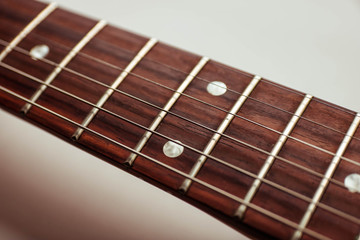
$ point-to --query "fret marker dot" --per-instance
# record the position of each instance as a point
(172, 149)
(216, 88)
(39, 51)
(352, 182)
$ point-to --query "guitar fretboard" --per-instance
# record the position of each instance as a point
(249, 150)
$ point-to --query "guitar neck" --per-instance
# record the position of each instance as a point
(253, 153)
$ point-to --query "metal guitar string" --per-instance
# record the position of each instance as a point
(207, 185)
(40, 81)
(191, 97)
(179, 116)
(291, 192)
(93, 80)
(195, 123)
(122, 145)
(205, 80)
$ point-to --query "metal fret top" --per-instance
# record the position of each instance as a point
(221, 129)
(325, 181)
(141, 54)
(100, 25)
(269, 161)
(38, 19)
(167, 107)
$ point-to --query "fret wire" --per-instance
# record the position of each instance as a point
(284, 110)
(145, 49)
(221, 129)
(270, 159)
(330, 209)
(253, 122)
(236, 115)
(325, 181)
(207, 185)
(295, 92)
(268, 128)
(207, 81)
(36, 21)
(230, 90)
(198, 100)
(315, 100)
(158, 119)
(207, 128)
(100, 25)
(216, 107)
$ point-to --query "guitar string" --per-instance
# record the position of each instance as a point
(221, 109)
(229, 89)
(291, 192)
(205, 80)
(123, 146)
(25, 52)
(159, 108)
(202, 79)
(205, 127)
(203, 183)
(253, 122)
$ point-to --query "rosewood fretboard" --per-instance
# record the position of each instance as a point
(266, 159)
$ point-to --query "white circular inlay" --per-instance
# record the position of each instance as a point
(216, 88)
(352, 182)
(39, 51)
(172, 149)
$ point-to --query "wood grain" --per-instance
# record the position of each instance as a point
(169, 66)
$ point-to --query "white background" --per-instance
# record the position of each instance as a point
(51, 190)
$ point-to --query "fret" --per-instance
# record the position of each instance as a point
(314, 159)
(166, 108)
(64, 62)
(320, 137)
(209, 186)
(352, 152)
(142, 84)
(308, 156)
(89, 77)
(59, 35)
(200, 106)
(340, 198)
(246, 158)
(112, 47)
(16, 18)
(148, 46)
(194, 132)
(269, 161)
(221, 129)
(115, 99)
(16, 83)
(53, 30)
(325, 181)
(38, 19)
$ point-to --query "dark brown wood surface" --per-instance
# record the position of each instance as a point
(168, 67)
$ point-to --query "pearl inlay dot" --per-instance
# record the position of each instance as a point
(172, 149)
(216, 88)
(352, 182)
(39, 51)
